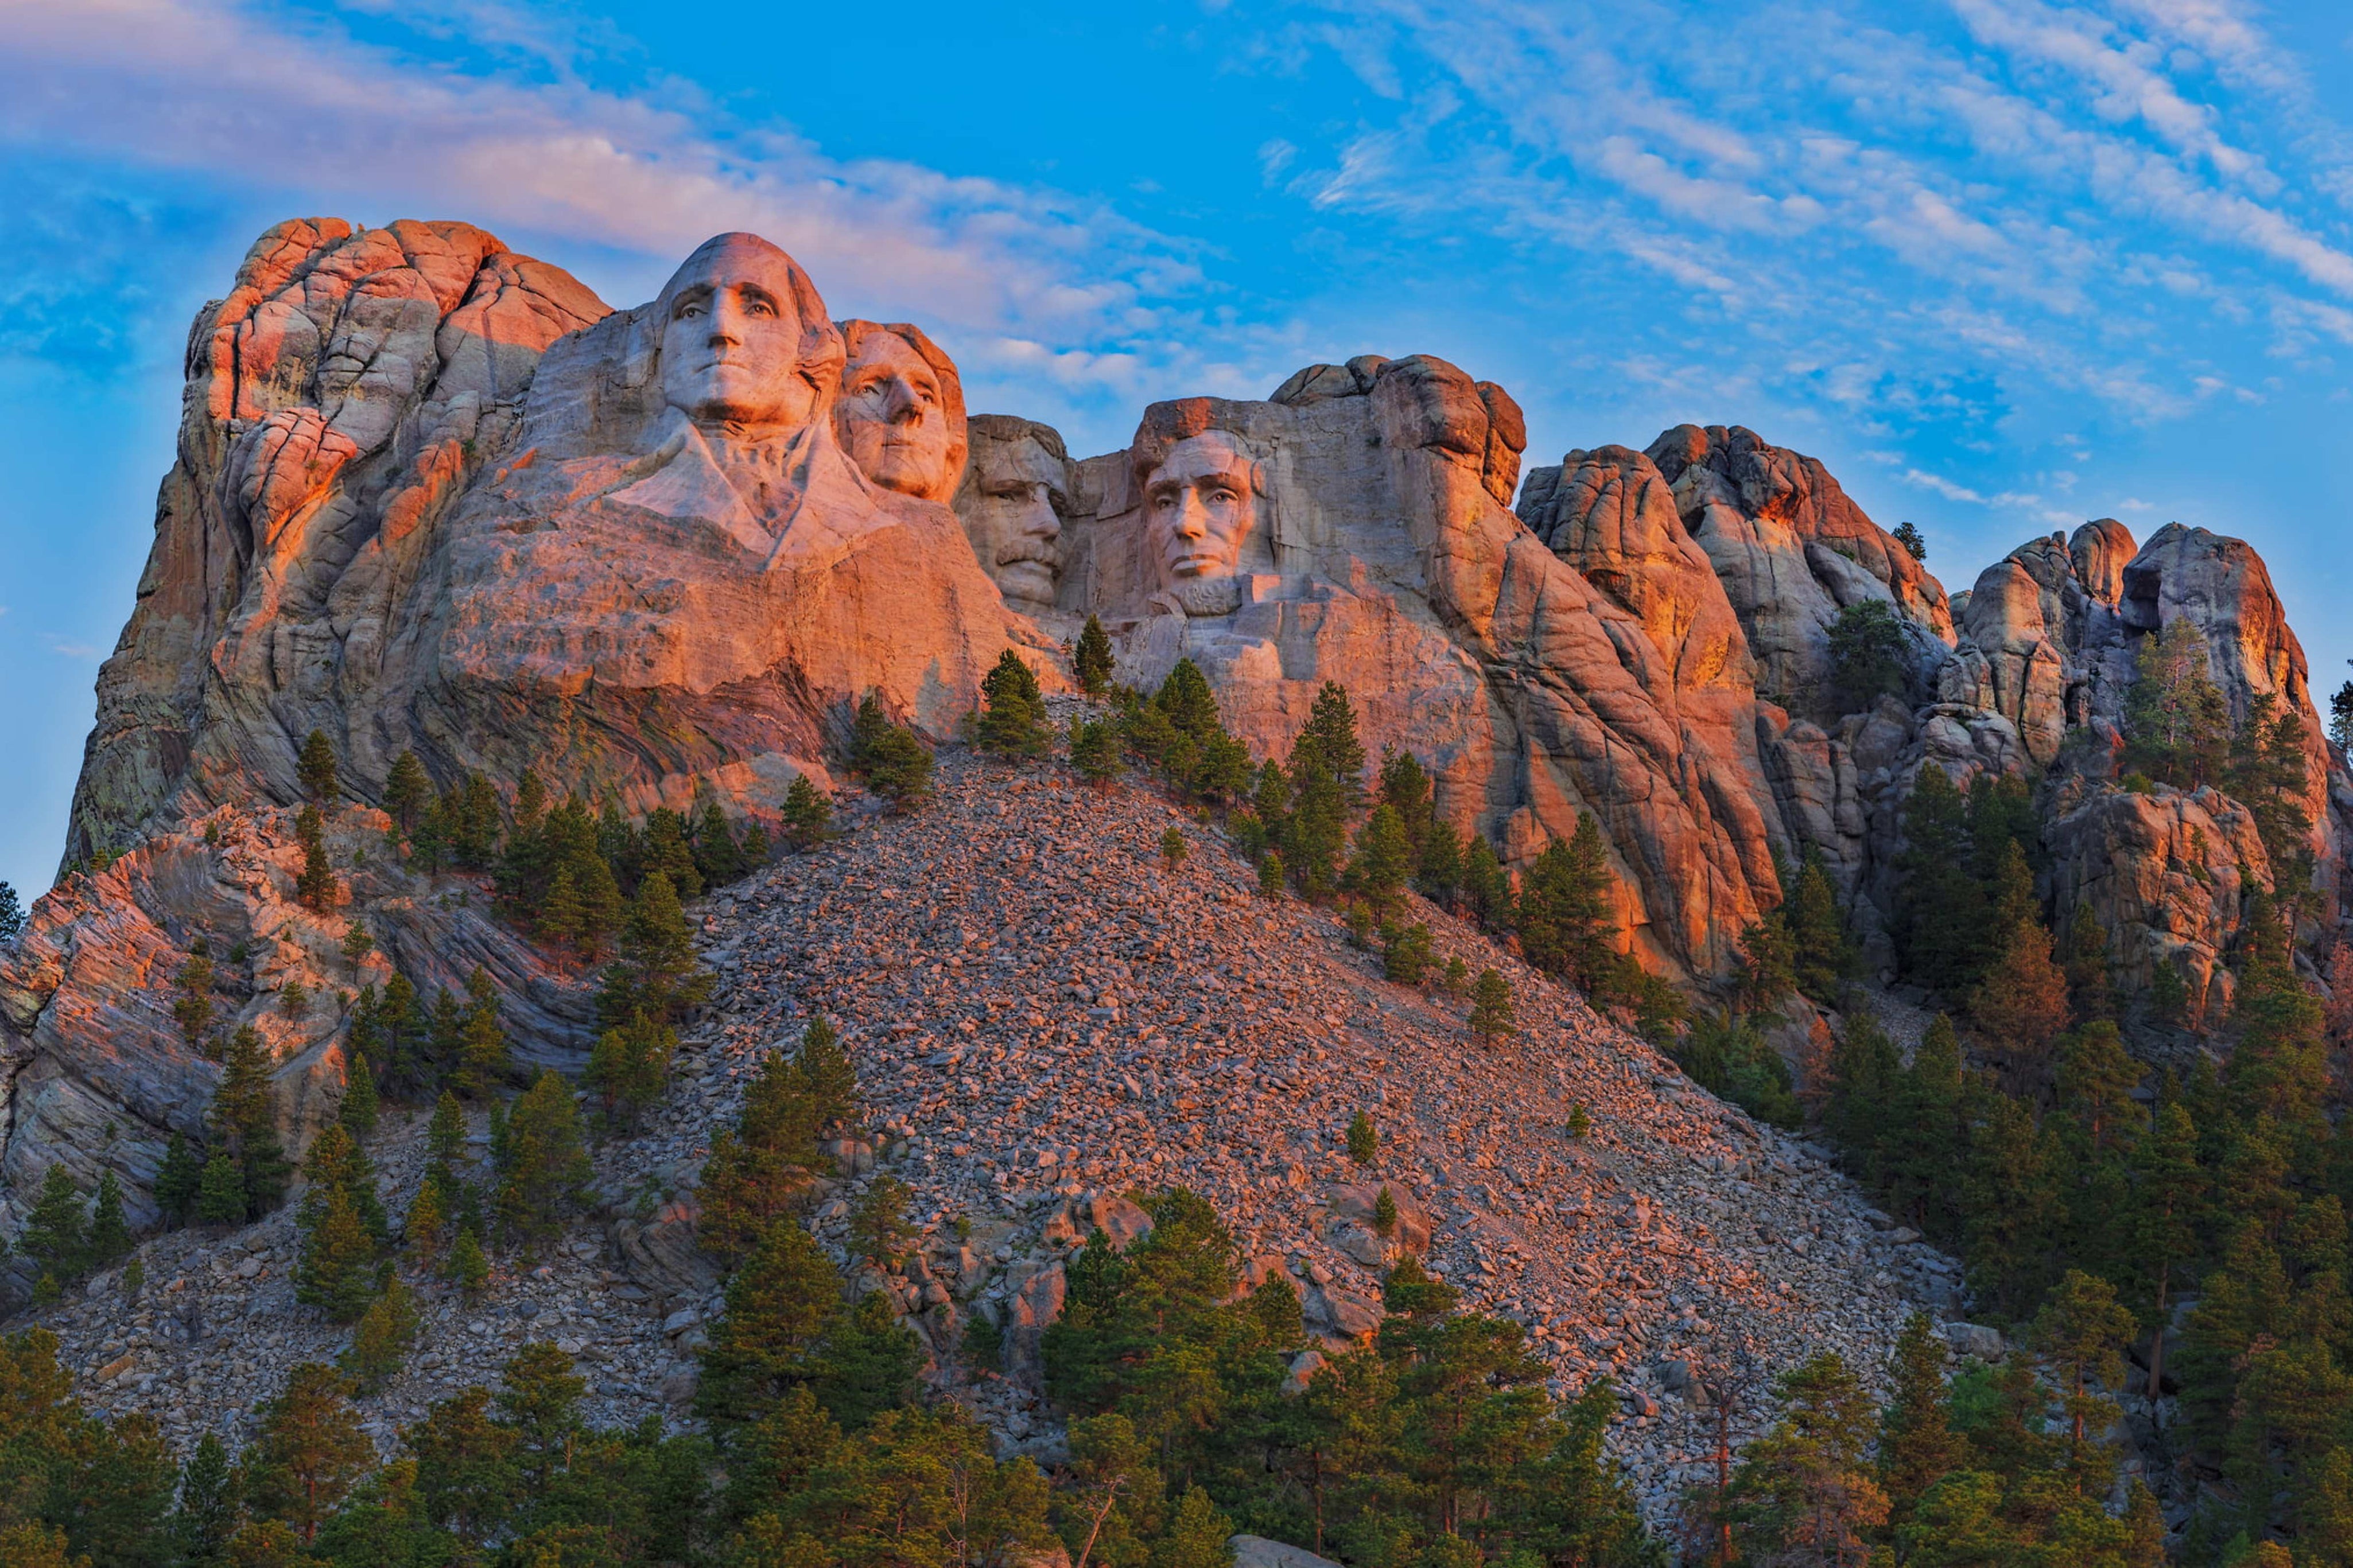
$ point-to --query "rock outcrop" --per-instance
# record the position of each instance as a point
(434, 497)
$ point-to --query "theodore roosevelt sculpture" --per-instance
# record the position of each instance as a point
(1016, 492)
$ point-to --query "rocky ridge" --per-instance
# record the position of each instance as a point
(1044, 1019)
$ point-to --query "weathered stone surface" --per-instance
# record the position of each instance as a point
(1792, 550)
(433, 496)
(98, 1071)
(1366, 545)
(2167, 873)
(1258, 1552)
(338, 396)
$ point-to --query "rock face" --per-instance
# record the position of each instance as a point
(431, 496)
(99, 1073)
(345, 391)
(1376, 549)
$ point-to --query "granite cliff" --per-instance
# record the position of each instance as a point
(432, 496)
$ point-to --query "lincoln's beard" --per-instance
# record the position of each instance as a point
(1208, 596)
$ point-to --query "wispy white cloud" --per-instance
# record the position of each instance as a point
(2014, 183)
(232, 90)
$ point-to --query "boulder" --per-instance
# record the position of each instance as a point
(1258, 1552)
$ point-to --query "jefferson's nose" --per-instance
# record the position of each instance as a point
(900, 405)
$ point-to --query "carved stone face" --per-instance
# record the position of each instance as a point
(1011, 511)
(894, 417)
(1200, 508)
(733, 338)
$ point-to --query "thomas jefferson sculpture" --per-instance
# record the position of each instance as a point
(901, 416)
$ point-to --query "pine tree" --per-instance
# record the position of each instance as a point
(1910, 538)
(178, 1180)
(1406, 954)
(359, 1110)
(2081, 1331)
(667, 853)
(1172, 847)
(1868, 653)
(245, 1123)
(445, 1135)
(56, 1234)
(1486, 887)
(1269, 874)
(467, 1265)
(1404, 789)
(807, 815)
(220, 1194)
(1012, 721)
(825, 1067)
(658, 974)
(629, 1067)
(771, 1338)
(559, 911)
(1383, 862)
(1439, 871)
(380, 1344)
(109, 1232)
(206, 1514)
(1941, 913)
(1094, 750)
(545, 1172)
(357, 943)
(1821, 955)
(1363, 1140)
(1328, 749)
(482, 1056)
(2022, 1002)
(880, 1231)
(308, 1453)
(1918, 1445)
(2176, 722)
(407, 791)
(316, 886)
(897, 766)
(193, 1008)
(2087, 967)
(1803, 1492)
(717, 856)
(1490, 1007)
(2095, 1081)
(1923, 1123)
(315, 768)
(2168, 1200)
(1091, 660)
(337, 1269)
(12, 916)
(1564, 913)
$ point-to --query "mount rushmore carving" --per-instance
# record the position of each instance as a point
(433, 496)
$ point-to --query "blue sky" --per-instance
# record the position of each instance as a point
(2004, 264)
